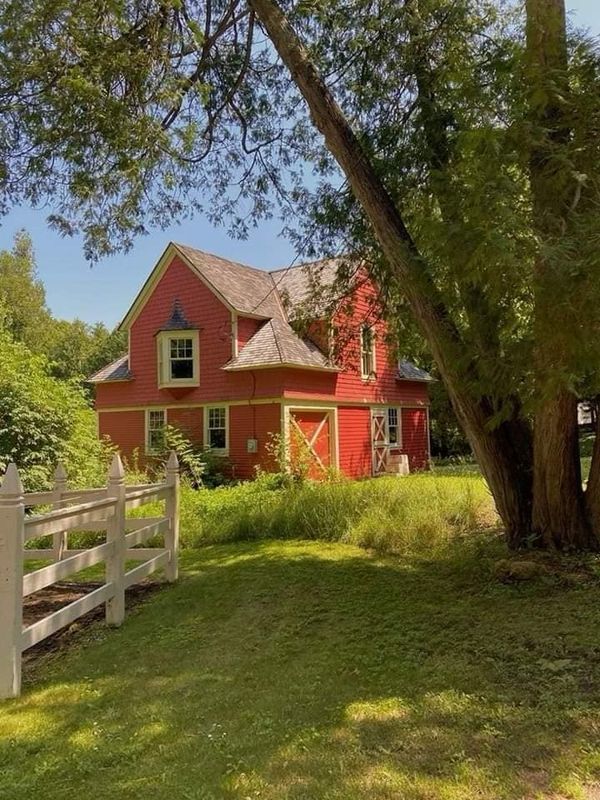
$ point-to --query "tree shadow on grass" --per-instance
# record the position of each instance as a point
(306, 670)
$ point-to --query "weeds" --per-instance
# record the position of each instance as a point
(417, 514)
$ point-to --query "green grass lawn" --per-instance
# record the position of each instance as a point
(278, 670)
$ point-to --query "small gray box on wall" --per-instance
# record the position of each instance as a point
(252, 445)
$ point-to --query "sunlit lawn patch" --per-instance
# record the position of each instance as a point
(316, 670)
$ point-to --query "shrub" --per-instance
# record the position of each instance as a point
(43, 421)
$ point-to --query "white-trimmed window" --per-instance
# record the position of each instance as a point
(393, 429)
(156, 420)
(367, 352)
(217, 435)
(178, 358)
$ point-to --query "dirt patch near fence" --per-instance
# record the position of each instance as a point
(41, 604)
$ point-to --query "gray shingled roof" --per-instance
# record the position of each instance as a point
(276, 344)
(407, 371)
(307, 284)
(117, 371)
(273, 296)
(248, 290)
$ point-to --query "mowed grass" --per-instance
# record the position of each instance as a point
(286, 669)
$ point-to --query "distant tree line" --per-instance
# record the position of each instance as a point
(74, 349)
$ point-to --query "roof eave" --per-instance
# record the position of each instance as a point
(274, 364)
(416, 380)
(93, 379)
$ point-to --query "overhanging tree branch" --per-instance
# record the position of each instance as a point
(408, 264)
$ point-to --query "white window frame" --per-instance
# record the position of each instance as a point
(148, 447)
(367, 376)
(398, 411)
(163, 358)
(218, 450)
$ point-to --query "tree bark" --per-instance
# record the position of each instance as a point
(503, 452)
(559, 511)
(592, 492)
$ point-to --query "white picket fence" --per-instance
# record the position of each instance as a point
(99, 510)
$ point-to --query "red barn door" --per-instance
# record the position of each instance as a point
(310, 440)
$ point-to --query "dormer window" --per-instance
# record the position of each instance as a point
(178, 358)
(367, 352)
(181, 359)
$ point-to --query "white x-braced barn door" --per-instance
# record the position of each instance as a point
(379, 440)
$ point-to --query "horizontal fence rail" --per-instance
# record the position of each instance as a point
(72, 517)
(75, 510)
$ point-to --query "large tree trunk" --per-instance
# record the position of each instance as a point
(505, 456)
(503, 452)
(592, 493)
(559, 512)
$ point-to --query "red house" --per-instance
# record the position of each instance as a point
(232, 355)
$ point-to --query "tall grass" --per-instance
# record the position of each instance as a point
(418, 514)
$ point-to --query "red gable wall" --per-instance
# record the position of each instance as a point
(363, 308)
(204, 310)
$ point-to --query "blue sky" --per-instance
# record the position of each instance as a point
(104, 291)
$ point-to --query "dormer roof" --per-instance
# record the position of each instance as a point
(276, 344)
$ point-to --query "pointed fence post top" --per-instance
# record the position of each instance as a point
(116, 473)
(60, 473)
(11, 487)
(173, 462)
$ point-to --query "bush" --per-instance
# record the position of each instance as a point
(43, 421)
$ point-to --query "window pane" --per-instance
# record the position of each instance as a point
(217, 438)
(217, 428)
(182, 368)
(216, 418)
(181, 359)
(393, 425)
(156, 419)
(156, 425)
(366, 350)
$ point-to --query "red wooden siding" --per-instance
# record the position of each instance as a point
(354, 431)
(126, 429)
(190, 422)
(252, 422)
(204, 310)
(414, 437)
(362, 308)
(246, 328)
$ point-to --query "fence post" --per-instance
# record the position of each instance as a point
(12, 540)
(172, 513)
(59, 540)
(115, 533)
